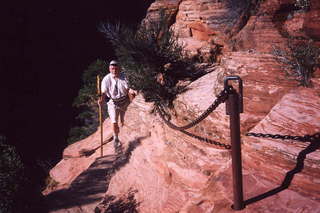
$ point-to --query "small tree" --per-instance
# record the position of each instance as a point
(301, 58)
(152, 58)
(86, 102)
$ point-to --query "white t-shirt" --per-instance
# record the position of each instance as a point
(114, 88)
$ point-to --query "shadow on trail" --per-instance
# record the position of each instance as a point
(91, 185)
(313, 146)
(110, 204)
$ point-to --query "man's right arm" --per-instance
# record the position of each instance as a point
(101, 98)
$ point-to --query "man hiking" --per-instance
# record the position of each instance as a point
(115, 86)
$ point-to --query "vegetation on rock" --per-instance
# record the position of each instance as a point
(301, 58)
(12, 176)
(86, 102)
(152, 58)
(302, 4)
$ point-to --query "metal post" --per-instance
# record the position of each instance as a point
(234, 107)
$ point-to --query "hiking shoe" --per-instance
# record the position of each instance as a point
(116, 143)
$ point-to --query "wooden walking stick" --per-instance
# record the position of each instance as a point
(100, 114)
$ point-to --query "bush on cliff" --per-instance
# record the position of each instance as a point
(19, 182)
(152, 58)
(301, 58)
(12, 176)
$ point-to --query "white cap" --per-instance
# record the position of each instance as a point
(114, 63)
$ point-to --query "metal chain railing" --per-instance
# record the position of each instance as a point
(221, 98)
(207, 140)
(305, 138)
(234, 106)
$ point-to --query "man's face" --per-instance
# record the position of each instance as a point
(114, 70)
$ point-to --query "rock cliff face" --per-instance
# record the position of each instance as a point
(163, 170)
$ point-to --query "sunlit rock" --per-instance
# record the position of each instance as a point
(165, 170)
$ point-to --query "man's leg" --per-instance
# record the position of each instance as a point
(122, 118)
(116, 142)
(115, 128)
(122, 112)
(114, 114)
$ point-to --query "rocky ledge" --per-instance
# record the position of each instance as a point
(163, 170)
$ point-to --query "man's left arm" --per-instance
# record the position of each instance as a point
(132, 94)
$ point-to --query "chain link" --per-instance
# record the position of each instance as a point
(207, 140)
(221, 98)
(306, 138)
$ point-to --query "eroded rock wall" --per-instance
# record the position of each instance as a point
(172, 172)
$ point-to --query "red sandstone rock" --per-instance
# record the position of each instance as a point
(78, 156)
(169, 171)
(297, 113)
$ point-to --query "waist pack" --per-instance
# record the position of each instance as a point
(119, 102)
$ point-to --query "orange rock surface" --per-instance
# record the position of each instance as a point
(164, 170)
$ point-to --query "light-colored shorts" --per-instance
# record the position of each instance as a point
(116, 111)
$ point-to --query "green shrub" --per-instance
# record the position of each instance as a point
(301, 58)
(11, 175)
(152, 58)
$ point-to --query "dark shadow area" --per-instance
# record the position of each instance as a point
(45, 48)
(111, 204)
(313, 146)
(85, 188)
(91, 185)
(284, 13)
(123, 158)
(88, 152)
(237, 16)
